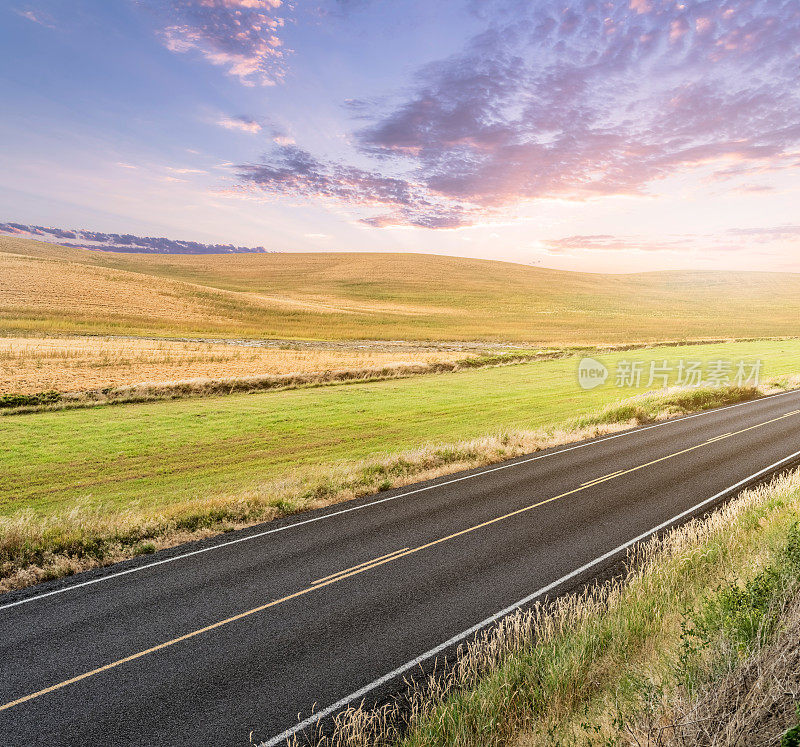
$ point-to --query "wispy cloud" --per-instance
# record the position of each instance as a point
(607, 242)
(571, 99)
(37, 17)
(185, 170)
(243, 36)
(242, 123)
(729, 240)
(756, 188)
(769, 234)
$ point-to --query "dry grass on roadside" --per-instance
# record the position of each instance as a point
(34, 548)
(29, 365)
(752, 704)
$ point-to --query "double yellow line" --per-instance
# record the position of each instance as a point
(375, 563)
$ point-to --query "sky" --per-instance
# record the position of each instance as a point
(599, 136)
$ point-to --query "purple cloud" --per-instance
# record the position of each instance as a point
(569, 99)
(243, 36)
(295, 172)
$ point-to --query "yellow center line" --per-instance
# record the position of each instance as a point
(360, 565)
(719, 438)
(705, 443)
(368, 565)
(601, 479)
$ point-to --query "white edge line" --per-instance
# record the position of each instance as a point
(331, 515)
(521, 603)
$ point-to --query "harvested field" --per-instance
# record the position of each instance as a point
(70, 364)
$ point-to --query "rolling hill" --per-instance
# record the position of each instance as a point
(45, 288)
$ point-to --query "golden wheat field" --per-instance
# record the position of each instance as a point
(47, 289)
(70, 364)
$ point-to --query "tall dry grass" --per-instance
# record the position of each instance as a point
(64, 373)
(752, 704)
(15, 404)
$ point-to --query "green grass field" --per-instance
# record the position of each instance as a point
(162, 453)
(46, 289)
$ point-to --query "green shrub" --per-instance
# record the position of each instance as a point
(29, 400)
(792, 737)
(743, 616)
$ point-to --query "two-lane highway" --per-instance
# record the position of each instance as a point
(205, 644)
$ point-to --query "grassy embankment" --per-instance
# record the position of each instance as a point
(46, 289)
(83, 487)
(696, 645)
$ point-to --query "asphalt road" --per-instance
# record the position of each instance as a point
(204, 644)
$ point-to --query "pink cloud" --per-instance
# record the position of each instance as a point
(186, 170)
(244, 124)
(240, 35)
(769, 234)
(741, 240)
(756, 188)
(703, 25)
(678, 29)
(606, 242)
